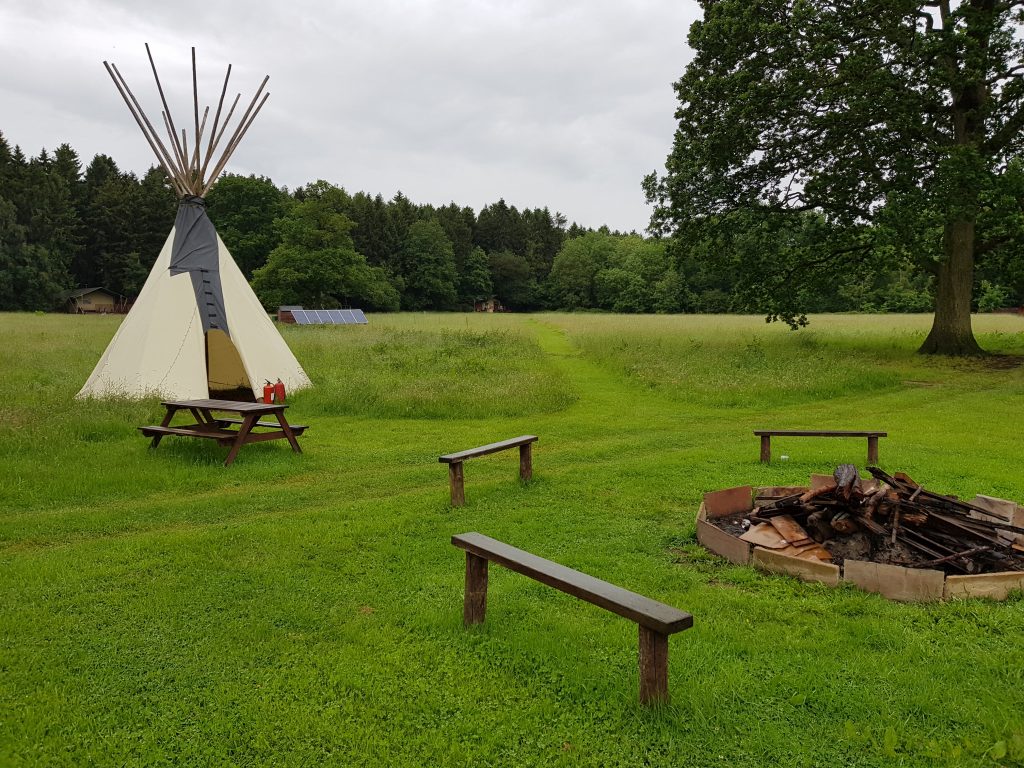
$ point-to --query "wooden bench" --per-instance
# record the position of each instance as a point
(656, 620)
(454, 462)
(223, 437)
(767, 434)
(298, 429)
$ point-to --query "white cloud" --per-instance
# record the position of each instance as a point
(565, 105)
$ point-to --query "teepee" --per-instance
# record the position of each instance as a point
(197, 329)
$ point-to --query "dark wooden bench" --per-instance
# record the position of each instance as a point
(298, 429)
(656, 620)
(454, 462)
(766, 436)
(224, 437)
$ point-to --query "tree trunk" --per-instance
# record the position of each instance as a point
(951, 332)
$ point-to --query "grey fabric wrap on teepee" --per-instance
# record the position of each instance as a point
(195, 251)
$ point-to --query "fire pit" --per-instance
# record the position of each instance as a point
(888, 535)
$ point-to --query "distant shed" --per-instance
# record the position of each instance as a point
(93, 301)
(488, 305)
(284, 314)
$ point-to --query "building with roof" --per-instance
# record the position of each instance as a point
(96, 300)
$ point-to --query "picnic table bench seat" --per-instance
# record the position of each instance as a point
(224, 436)
(298, 429)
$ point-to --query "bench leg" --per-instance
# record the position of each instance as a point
(455, 480)
(475, 606)
(653, 667)
(526, 461)
(766, 449)
(167, 420)
(243, 433)
(872, 450)
(287, 429)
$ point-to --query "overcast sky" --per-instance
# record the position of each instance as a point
(564, 103)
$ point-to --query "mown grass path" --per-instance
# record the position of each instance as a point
(157, 609)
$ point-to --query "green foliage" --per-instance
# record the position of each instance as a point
(316, 264)
(475, 277)
(992, 297)
(30, 276)
(123, 224)
(599, 270)
(856, 112)
(573, 279)
(427, 264)
(100, 226)
(513, 280)
(370, 216)
(243, 208)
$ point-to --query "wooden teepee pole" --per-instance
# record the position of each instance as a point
(162, 155)
(216, 119)
(173, 131)
(186, 166)
(239, 131)
(194, 165)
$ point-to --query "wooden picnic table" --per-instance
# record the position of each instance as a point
(218, 428)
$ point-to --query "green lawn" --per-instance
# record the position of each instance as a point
(159, 609)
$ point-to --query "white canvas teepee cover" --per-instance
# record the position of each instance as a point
(197, 329)
(161, 347)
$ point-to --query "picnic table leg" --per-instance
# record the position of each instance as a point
(455, 480)
(873, 449)
(766, 449)
(287, 429)
(243, 432)
(526, 461)
(201, 417)
(474, 608)
(171, 410)
(653, 666)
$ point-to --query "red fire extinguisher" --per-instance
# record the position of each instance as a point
(268, 392)
(279, 392)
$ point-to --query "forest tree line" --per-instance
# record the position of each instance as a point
(63, 226)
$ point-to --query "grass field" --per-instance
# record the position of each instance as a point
(159, 609)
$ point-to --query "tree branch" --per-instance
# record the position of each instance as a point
(1013, 125)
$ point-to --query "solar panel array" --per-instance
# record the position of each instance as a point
(329, 316)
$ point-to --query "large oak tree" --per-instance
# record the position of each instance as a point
(896, 126)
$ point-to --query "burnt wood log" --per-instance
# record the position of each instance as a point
(846, 478)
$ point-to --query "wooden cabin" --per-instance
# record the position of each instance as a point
(97, 300)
